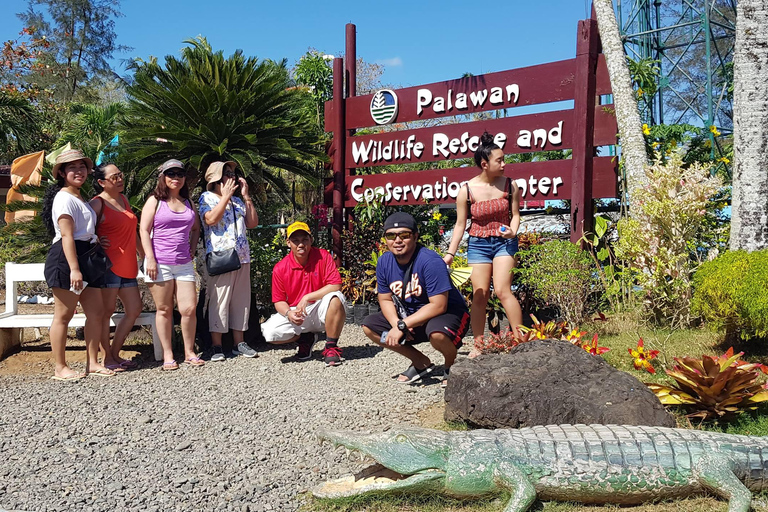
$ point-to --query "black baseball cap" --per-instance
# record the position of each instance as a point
(400, 220)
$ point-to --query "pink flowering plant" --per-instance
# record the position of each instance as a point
(659, 242)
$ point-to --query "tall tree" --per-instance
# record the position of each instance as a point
(82, 37)
(205, 107)
(314, 70)
(749, 213)
(624, 100)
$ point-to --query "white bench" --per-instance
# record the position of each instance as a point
(11, 321)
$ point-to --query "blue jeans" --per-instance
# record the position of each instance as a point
(483, 250)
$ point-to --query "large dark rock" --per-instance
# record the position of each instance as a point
(548, 382)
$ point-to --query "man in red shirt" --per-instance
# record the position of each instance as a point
(306, 291)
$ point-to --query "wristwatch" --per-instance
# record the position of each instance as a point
(401, 325)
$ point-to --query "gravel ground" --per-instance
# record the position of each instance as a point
(237, 435)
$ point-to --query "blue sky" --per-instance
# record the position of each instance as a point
(417, 41)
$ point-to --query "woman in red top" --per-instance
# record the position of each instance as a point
(116, 227)
(492, 201)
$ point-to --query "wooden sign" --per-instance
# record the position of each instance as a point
(388, 113)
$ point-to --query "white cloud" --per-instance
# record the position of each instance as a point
(394, 62)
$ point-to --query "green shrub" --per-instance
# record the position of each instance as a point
(730, 293)
(561, 275)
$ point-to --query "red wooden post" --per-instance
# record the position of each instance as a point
(584, 116)
(350, 86)
(339, 151)
(350, 52)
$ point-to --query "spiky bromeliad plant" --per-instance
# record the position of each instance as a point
(714, 387)
(205, 107)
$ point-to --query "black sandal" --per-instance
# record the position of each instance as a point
(413, 375)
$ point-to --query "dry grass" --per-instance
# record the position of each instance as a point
(444, 504)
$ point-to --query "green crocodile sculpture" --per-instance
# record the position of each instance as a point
(584, 463)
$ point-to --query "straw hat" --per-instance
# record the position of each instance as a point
(216, 170)
(71, 155)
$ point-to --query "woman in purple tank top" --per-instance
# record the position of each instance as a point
(170, 229)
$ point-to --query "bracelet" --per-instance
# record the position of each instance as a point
(451, 254)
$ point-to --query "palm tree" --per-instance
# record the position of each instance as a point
(625, 104)
(749, 213)
(92, 128)
(19, 122)
(205, 107)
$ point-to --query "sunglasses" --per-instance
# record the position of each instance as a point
(405, 235)
(115, 177)
(175, 174)
(229, 174)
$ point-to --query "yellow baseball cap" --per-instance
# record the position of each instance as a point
(298, 226)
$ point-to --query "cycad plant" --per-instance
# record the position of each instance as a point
(204, 107)
(19, 122)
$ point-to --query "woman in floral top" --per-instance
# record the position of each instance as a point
(225, 219)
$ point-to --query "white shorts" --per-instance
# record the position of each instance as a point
(279, 328)
(183, 272)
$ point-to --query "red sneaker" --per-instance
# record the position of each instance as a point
(332, 356)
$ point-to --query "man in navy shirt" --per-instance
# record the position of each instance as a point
(427, 308)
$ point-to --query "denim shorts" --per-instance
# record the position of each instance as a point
(112, 280)
(483, 250)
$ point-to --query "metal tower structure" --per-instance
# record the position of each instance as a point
(692, 42)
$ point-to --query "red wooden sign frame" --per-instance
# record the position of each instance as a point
(581, 129)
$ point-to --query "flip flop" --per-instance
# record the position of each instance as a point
(115, 367)
(69, 378)
(413, 375)
(444, 384)
(127, 363)
(170, 366)
(106, 372)
(194, 361)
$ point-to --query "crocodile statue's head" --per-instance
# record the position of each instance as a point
(408, 458)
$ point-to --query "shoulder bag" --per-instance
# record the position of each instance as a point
(222, 262)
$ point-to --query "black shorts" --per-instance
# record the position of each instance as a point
(57, 268)
(452, 323)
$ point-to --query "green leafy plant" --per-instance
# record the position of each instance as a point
(615, 281)
(655, 242)
(267, 248)
(730, 293)
(559, 274)
(363, 236)
(714, 387)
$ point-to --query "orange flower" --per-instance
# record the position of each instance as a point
(642, 358)
(593, 348)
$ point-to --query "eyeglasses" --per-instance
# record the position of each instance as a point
(175, 174)
(118, 176)
(405, 235)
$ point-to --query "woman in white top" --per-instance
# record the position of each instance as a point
(72, 223)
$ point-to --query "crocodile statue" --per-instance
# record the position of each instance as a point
(584, 463)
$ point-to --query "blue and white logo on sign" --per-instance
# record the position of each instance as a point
(384, 106)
